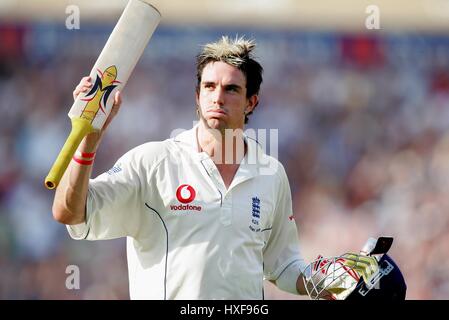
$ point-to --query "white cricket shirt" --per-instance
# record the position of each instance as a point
(188, 237)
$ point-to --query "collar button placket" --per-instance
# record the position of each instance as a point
(226, 209)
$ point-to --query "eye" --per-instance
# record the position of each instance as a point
(232, 89)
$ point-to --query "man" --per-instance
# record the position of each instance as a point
(202, 220)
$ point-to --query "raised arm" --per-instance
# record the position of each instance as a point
(69, 205)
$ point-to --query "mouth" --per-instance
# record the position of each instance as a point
(216, 112)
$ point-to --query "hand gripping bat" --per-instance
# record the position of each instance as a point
(109, 73)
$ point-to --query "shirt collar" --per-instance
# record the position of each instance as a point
(250, 165)
(190, 138)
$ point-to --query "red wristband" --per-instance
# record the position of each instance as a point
(87, 154)
(83, 162)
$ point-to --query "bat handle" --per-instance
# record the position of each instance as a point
(80, 128)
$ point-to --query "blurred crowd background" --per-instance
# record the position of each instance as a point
(363, 120)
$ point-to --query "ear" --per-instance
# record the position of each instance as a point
(253, 101)
(197, 97)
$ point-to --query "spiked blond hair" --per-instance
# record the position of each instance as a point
(236, 52)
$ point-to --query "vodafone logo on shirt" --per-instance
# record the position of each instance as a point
(185, 194)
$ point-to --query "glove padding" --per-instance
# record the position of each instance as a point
(364, 265)
(335, 278)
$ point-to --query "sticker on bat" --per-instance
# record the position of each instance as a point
(96, 98)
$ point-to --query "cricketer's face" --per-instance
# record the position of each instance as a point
(222, 97)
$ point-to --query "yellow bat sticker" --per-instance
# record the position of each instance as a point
(98, 95)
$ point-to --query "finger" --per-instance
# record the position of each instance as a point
(364, 265)
(358, 264)
(77, 91)
(115, 106)
(85, 81)
(370, 264)
(118, 99)
(83, 86)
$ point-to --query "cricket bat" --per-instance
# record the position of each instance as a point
(109, 74)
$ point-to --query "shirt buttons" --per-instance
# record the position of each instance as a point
(226, 216)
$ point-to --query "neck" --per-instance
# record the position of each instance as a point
(223, 146)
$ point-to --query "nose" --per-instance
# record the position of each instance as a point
(218, 98)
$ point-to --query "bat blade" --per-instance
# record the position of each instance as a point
(116, 62)
(110, 73)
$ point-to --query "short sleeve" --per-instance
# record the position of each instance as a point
(282, 248)
(113, 202)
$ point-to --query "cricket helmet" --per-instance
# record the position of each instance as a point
(334, 278)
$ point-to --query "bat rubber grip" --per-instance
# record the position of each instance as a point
(80, 128)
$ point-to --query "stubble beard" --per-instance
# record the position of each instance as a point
(213, 123)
